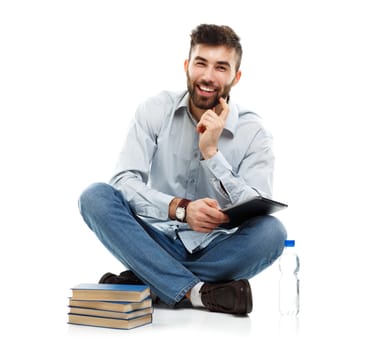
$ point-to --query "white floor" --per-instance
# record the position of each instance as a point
(334, 314)
(40, 317)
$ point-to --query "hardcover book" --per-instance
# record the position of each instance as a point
(110, 292)
(118, 306)
(110, 314)
(110, 322)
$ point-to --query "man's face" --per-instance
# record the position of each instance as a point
(211, 73)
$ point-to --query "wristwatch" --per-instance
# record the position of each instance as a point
(181, 210)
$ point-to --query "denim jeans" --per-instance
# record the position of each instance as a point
(162, 262)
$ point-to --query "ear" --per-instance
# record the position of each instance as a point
(186, 65)
(237, 78)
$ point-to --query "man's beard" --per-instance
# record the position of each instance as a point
(203, 102)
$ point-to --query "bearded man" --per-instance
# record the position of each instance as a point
(187, 155)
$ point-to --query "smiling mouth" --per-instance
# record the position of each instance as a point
(206, 90)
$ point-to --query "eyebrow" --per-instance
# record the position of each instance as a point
(221, 63)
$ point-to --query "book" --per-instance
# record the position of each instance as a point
(110, 314)
(110, 292)
(118, 306)
(252, 207)
(110, 322)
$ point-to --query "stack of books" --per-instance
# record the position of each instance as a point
(121, 306)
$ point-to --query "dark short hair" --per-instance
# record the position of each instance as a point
(214, 35)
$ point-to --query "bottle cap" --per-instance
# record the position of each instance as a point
(289, 243)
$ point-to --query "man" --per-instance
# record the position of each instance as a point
(187, 155)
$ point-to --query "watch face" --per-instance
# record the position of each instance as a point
(180, 213)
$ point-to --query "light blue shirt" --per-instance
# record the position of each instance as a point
(161, 160)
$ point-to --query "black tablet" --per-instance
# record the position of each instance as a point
(256, 206)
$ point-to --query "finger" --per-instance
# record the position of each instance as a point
(226, 218)
(216, 217)
(223, 102)
(208, 226)
(205, 119)
(209, 114)
(211, 202)
(225, 108)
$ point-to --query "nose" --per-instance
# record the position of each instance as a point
(208, 74)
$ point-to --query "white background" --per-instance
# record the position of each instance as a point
(71, 76)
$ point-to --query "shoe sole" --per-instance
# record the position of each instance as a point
(248, 297)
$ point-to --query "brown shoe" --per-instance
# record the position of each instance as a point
(233, 297)
(125, 277)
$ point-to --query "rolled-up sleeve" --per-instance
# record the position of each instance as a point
(254, 175)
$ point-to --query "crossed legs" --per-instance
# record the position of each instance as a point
(163, 262)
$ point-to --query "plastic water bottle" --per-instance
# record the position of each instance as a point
(289, 282)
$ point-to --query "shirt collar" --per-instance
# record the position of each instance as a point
(231, 122)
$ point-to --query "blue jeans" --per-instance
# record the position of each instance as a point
(162, 262)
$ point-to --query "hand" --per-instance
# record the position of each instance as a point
(210, 128)
(203, 215)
